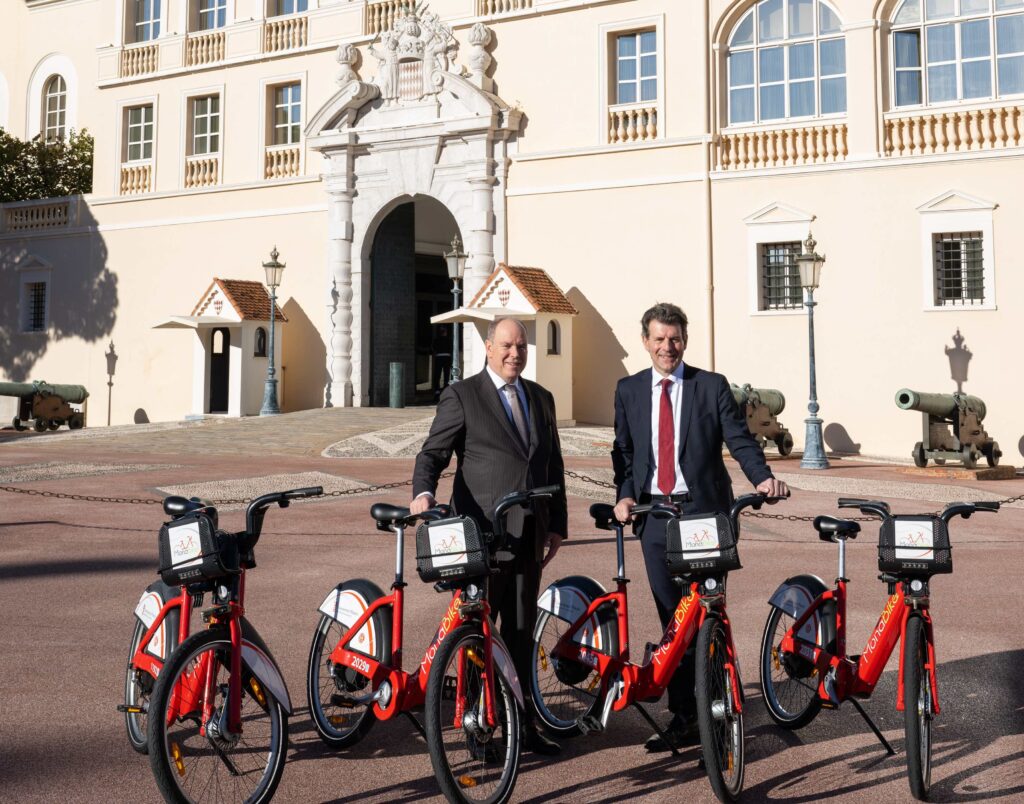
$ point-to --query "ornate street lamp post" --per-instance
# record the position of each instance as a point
(809, 264)
(456, 270)
(274, 270)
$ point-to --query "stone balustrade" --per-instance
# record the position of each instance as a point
(381, 15)
(33, 216)
(632, 123)
(285, 33)
(281, 161)
(136, 177)
(782, 147)
(204, 48)
(954, 131)
(486, 8)
(202, 171)
(139, 59)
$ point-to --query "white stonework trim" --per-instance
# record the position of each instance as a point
(776, 231)
(227, 188)
(5, 103)
(605, 33)
(936, 221)
(185, 130)
(49, 66)
(784, 214)
(583, 187)
(266, 108)
(609, 149)
(120, 142)
(964, 203)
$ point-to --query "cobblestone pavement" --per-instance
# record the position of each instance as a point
(71, 572)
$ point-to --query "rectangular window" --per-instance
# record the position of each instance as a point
(959, 268)
(636, 72)
(147, 20)
(780, 277)
(291, 6)
(140, 133)
(34, 300)
(206, 125)
(287, 114)
(907, 47)
(212, 14)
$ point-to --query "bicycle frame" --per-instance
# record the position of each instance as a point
(857, 676)
(147, 662)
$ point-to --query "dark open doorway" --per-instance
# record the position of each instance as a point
(409, 284)
(220, 369)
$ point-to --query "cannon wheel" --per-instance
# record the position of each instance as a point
(18, 425)
(920, 459)
(940, 461)
(55, 424)
(76, 422)
(970, 458)
(40, 425)
(784, 444)
(992, 453)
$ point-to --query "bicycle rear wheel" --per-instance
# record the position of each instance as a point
(138, 687)
(721, 726)
(198, 760)
(917, 708)
(472, 761)
(789, 682)
(563, 690)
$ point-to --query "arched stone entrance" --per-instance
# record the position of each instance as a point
(421, 129)
(408, 284)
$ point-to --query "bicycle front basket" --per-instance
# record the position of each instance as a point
(701, 544)
(193, 550)
(915, 546)
(450, 549)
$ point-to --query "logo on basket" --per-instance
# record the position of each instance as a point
(185, 544)
(699, 538)
(914, 540)
(448, 544)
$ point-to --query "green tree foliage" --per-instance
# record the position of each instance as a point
(38, 169)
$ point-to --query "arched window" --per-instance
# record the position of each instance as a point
(55, 100)
(554, 338)
(786, 59)
(945, 51)
(260, 349)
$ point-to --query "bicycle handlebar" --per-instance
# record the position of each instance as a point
(874, 507)
(965, 509)
(518, 498)
(257, 509)
(604, 514)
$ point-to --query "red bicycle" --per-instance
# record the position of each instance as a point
(581, 669)
(804, 664)
(466, 681)
(219, 724)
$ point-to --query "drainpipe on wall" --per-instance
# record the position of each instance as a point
(709, 144)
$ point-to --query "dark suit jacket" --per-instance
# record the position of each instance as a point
(492, 461)
(710, 417)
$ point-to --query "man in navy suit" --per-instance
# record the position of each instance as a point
(671, 421)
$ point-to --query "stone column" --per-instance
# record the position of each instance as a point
(864, 85)
(480, 262)
(339, 282)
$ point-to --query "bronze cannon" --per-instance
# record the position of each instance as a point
(951, 428)
(49, 405)
(762, 407)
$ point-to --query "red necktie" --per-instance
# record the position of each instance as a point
(666, 442)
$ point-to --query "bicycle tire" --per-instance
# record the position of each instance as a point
(789, 684)
(470, 771)
(339, 726)
(562, 693)
(721, 726)
(138, 689)
(917, 708)
(198, 757)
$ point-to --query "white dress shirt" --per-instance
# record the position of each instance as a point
(675, 393)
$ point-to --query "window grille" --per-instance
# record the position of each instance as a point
(147, 20)
(636, 73)
(780, 277)
(35, 298)
(140, 133)
(56, 109)
(287, 114)
(206, 125)
(959, 268)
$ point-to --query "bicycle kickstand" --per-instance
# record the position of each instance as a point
(656, 727)
(874, 728)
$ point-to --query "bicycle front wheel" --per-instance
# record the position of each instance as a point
(563, 690)
(789, 682)
(473, 760)
(194, 756)
(138, 687)
(721, 726)
(917, 708)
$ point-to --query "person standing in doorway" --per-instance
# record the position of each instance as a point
(671, 421)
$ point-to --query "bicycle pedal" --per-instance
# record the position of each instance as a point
(342, 701)
(588, 724)
(132, 710)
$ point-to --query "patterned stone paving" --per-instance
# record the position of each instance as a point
(58, 470)
(248, 487)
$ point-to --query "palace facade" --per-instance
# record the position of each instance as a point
(635, 151)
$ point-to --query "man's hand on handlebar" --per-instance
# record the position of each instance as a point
(773, 487)
(422, 503)
(624, 509)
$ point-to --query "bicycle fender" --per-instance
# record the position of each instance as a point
(262, 666)
(153, 599)
(503, 659)
(794, 596)
(345, 606)
(568, 599)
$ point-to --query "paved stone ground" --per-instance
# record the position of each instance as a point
(71, 572)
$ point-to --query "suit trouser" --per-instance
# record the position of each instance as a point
(681, 696)
(513, 598)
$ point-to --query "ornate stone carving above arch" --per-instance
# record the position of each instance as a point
(421, 126)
